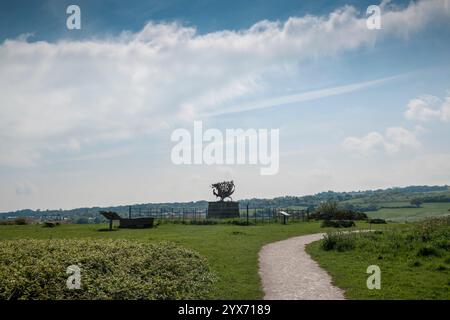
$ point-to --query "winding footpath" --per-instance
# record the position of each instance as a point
(288, 272)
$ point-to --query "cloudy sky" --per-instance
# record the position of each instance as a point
(86, 116)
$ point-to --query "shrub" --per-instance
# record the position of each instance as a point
(21, 221)
(377, 221)
(433, 228)
(50, 224)
(110, 269)
(338, 241)
(338, 223)
(205, 222)
(329, 241)
(7, 222)
(241, 222)
(330, 211)
(428, 251)
(441, 268)
(17, 221)
(416, 264)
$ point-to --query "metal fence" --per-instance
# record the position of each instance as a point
(251, 215)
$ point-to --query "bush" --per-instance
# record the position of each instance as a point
(329, 242)
(17, 221)
(50, 224)
(377, 221)
(110, 269)
(428, 251)
(21, 221)
(7, 222)
(330, 211)
(338, 241)
(205, 222)
(338, 223)
(240, 222)
(432, 229)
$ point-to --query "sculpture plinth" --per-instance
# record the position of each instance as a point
(223, 209)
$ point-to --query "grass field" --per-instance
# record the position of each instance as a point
(231, 251)
(411, 214)
(414, 262)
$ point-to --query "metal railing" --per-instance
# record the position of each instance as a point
(251, 215)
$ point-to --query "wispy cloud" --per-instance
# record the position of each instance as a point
(303, 96)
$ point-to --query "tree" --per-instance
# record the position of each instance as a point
(329, 207)
(416, 202)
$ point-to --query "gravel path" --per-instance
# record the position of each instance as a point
(289, 273)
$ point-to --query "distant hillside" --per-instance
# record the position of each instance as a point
(368, 200)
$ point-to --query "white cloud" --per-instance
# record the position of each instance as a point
(427, 107)
(63, 96)
(398, 138)
(367, 144)
(445, 110)
(394, 140)
(423, 108)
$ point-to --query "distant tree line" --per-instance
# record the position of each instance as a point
(368, 200)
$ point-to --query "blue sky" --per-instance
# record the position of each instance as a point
(87, 115)
(44, 18)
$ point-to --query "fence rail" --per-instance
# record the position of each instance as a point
(251, 215)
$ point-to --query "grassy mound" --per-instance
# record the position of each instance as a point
(110, 269)
(414, 261)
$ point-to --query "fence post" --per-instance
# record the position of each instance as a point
(248, 222)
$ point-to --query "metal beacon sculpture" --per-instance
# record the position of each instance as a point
(223, 209)
(223, 189)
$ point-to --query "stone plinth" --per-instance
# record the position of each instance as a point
(223, 209)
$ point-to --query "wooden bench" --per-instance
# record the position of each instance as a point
(137, 223)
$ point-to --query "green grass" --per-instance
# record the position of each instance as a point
(414, 262)
(412, 214)
(231, 251)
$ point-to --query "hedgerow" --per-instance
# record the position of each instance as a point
(110, 269)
